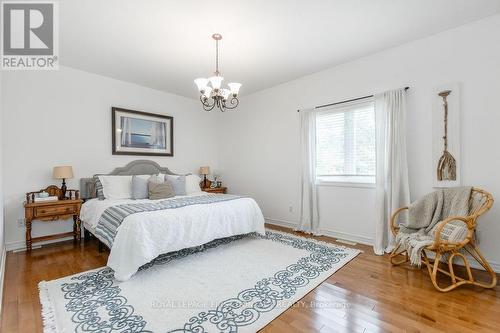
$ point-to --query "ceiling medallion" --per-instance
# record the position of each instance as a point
(211, 93)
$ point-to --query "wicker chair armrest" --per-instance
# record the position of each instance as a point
(394, 227)
(470, 226)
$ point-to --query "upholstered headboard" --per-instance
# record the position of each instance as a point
(138, 167)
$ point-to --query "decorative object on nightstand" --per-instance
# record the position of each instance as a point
(214, 182)
(63, 172)
(205, 170)
(208, 188)
(52, 210)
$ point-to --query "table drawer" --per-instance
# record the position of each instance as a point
(51, 211)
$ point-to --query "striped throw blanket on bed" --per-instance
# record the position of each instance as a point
(113, 217)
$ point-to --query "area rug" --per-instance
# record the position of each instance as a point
(237, 284)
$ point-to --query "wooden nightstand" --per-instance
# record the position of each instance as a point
(221, 190)
(52, 211)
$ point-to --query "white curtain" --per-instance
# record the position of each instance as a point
(309, 217)
(392, 166)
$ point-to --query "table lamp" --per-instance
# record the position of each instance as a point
(204, 170)
(63, 172)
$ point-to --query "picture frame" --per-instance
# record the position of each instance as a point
(141, 133)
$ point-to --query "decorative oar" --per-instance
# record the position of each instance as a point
(447, 166)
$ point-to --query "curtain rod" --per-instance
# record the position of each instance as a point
(346, 101)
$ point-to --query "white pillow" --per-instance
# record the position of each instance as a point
(116, 187)
(192, 184)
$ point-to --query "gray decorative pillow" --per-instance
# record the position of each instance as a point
(139, 188)
(178, 184)
(99, 188)
(160, 190)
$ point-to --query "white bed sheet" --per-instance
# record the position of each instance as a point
(143, 236)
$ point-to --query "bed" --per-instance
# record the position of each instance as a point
(138, 231)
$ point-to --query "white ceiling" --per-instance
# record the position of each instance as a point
(165, 44)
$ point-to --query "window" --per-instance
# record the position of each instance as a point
(345, 143)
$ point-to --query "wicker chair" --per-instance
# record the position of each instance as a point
(445, 251)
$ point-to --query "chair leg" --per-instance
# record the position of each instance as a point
(433, 268)
(456, 281)
(433, 272)
(476, 254)
(394, 254)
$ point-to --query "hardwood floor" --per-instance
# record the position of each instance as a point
(366, 295)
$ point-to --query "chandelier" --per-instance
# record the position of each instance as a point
(211, 93)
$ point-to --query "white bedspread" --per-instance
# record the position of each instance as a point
(144, 236)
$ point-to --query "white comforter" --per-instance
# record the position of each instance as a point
(144, 236)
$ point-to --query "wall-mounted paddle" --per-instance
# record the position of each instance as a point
(447, 166)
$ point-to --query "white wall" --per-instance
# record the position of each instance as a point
(259, 143)
(64, 118)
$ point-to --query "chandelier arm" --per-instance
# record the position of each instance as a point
(207, 108)
(205, 102)
(233, 103)
(219, 105)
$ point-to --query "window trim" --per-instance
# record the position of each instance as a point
(322, 181)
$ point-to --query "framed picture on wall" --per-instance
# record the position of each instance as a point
(141, 133)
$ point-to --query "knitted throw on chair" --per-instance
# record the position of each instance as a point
(425, 215)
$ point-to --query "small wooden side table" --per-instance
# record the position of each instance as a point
(205, 187)
(51, 211)
(221, 190)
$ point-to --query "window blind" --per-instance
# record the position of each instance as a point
(345, 143)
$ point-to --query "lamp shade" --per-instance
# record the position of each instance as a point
(216, 81)
(62, 172)
(201, 83)
(225, 93)
(208, 91)
(234, 87)
(204, 170)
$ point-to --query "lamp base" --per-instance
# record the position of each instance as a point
(63, 190)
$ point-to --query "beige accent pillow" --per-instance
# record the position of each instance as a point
(160, 190)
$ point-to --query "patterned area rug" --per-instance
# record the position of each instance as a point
(238, 284)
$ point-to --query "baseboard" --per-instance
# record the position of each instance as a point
(494, 265)
(21, 245)
(349, 237)
(2, 275)
(281, 223)
(329, 233)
